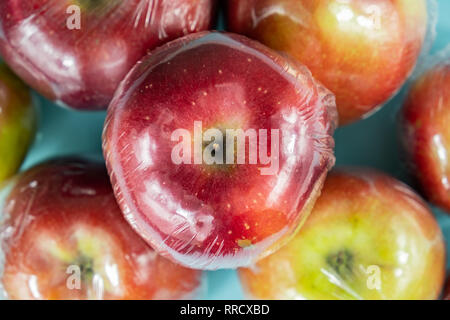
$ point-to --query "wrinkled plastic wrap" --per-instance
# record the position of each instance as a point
(211, 216)
(76, 52)
(63, 237)
(369, 237)
(363, 51)
(424, 129)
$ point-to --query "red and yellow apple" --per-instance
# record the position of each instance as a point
(64, 237)
(17, 122)
(369, 237)
(425, 133)
(362, 50)
(77, 51)
(220, 214)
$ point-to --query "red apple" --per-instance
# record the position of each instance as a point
(369, 237)
(425, 133)
(228, 214)
(65, 238)
(362, 50)
(82, 67)
(17, 122)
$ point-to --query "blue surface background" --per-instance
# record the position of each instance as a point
(371, 142)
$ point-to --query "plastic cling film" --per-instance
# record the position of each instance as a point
(5, 189)
(424, 131)
(361, 50)
(63, 237)
(217, 148)
(369, 236)
(76, 52)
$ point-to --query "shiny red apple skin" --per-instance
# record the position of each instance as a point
(381, 222)
(47, 209)
(82, 68)
(210, 218)
(425, 133)
(361, 50)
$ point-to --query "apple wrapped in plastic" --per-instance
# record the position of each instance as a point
(425, 133)
(362, 50)
(64, 237)
(217, 148)
(369, 237)
(77, 51)
(17, 122)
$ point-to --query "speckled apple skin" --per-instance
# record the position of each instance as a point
(229, 216)
(62, 214)
(369, 237)
(81, 68)
(362, 50)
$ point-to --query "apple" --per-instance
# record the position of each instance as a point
(362, 50)
(77, 51)
(369, 237)
(425, 134)
(17, 122)
(64, 237)
(217, 203)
